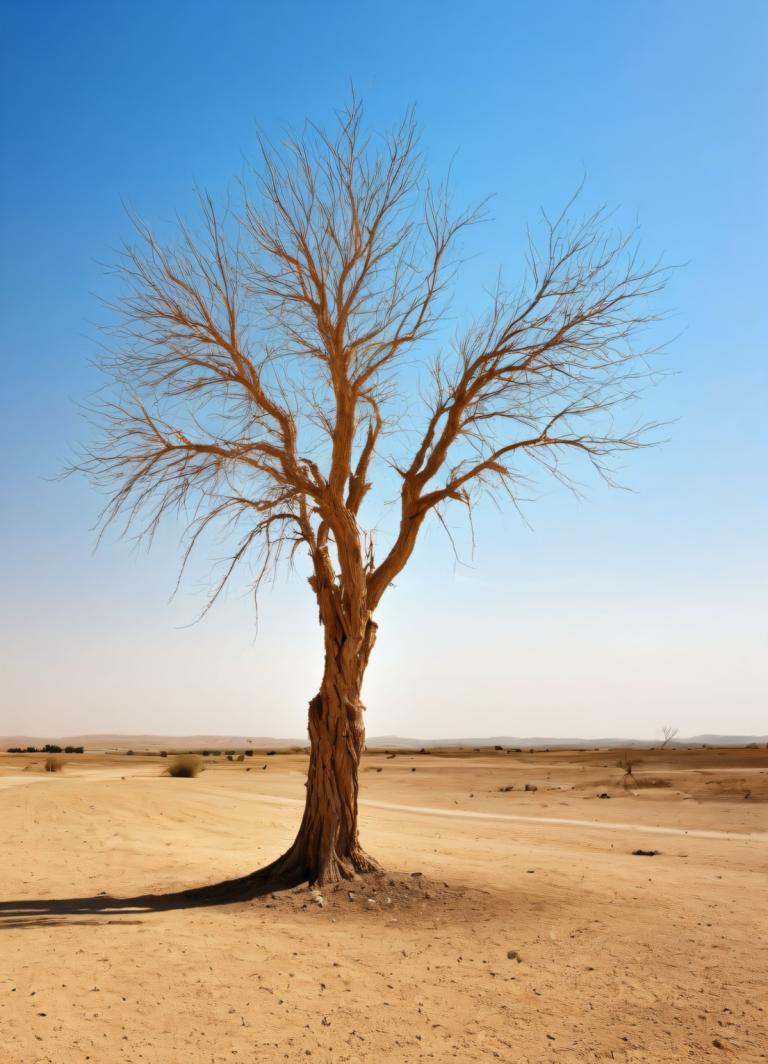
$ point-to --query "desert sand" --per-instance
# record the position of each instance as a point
(508, 925)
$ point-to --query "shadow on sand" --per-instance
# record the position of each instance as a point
(105, 909)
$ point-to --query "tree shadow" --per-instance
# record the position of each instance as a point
(103, 908)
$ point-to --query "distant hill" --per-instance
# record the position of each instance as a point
(154, 743)
(726, 740)
(555, 742)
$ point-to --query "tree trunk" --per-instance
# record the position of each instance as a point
(327, 847)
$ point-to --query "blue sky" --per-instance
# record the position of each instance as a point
(613, 614)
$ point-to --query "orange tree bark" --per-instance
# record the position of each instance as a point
(327, 847)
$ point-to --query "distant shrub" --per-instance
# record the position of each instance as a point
(249, 753)
(74, 749)
(14, 750)
(628, 763)
(51, 748)
(186, 767)
(206, 753)
(52, 764)
(215, 753)
(230, 757)
(130, 753)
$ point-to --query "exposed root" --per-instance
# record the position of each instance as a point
(290, 870)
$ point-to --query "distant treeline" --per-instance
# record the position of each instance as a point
(49, 748)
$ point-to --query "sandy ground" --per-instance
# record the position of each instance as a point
(533, 933)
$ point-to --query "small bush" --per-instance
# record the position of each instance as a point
(249, 753)
(130, 753)
(52, 764)
(163, 753)
(187, 767)
(51, 748)
(74, 749)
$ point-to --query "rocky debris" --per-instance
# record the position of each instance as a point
(604, 794)
(645, 853)
(513, 955)
(530, 787)
(505, 790)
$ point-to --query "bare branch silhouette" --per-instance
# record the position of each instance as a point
(261, 371)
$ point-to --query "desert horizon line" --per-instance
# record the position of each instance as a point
(380, 740)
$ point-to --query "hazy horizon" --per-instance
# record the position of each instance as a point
(609, 616)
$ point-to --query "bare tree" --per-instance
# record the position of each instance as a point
(669, 733)
(263, 376)
(629, 762)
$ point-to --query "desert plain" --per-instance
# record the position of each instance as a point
(507, 924)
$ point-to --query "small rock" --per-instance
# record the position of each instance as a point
(530, 787)
(372, 902)
(644, 853)
(513, 955)
(415, 875)
(351, 895)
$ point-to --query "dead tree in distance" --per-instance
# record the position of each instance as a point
(261, 365)
(669, 732)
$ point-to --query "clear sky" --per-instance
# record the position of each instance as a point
(612, 615)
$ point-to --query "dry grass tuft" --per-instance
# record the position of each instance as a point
(52, 764)
(186, 767)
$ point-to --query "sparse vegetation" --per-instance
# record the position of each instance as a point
(188, 766)
(49, 748)
(53, 764)
(628, 763)
(669, 733)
